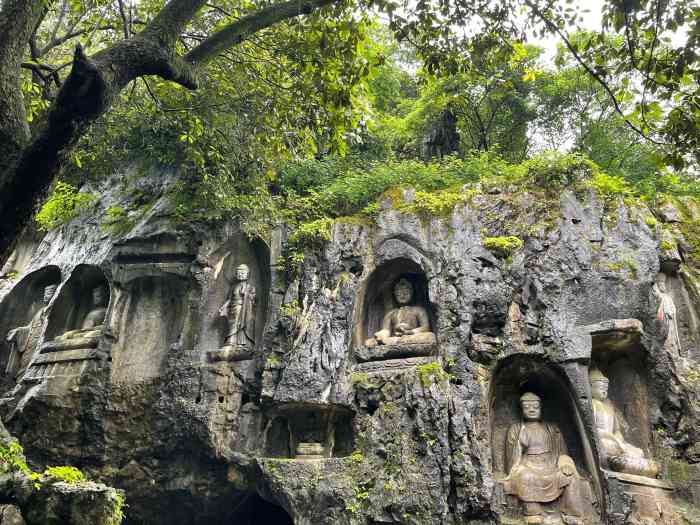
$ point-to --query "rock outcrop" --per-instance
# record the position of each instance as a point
(312, 426)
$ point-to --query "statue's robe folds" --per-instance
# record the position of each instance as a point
(240, 312)
(533, 453)
(616, 452)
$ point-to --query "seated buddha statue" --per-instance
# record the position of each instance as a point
(90, 329)
(618, 454)
(405, 324)
(540, 473)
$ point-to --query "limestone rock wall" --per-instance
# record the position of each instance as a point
(195, 434)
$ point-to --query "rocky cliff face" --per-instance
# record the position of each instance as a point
(312, 423)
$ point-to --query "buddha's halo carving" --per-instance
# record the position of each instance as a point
(235, 301)
(397, 319)
(22, 319)
(542, 459)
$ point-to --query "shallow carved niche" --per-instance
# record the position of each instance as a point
(236, 303)
(75, 326)
(617, 353)
(81, 305)
(150, 317)
(541, 456)
(308, 433)
(677, 314)
(22, 316)
(396, 316)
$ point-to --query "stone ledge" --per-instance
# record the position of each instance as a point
(81, 354)
(384, 352)
(392, 364)
(59, 346)
(230, 354)
(639, 480)
(615, 334)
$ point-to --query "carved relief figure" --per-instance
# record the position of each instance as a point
(667, 314)
(406, 324)
(617, 453)
(540, 473)
(92, 325)
(88, 335)
(239, 312)
(24, 338)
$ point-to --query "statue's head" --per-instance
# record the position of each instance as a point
(242, 272)
(403, 291)
(100, 296)
(49, 291)
(599, 385)
(661, 281)
(531, 406)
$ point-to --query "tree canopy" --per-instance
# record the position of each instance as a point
(240, 86)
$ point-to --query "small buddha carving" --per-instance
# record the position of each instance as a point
(619, 455)
(24, 338)
(90, 331)
(540, 473)
(239, 314)
(405, 324)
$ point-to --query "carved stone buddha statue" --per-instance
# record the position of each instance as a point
(617, 453)
(239, 313)
(540, 473)
(90, 329)
(405, 324)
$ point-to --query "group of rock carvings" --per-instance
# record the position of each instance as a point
(539, 473)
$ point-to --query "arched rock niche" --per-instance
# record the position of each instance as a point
(149, 318)
(290, 425)
(519, 374)
(21, 305)
(376, 297)
(74, 300)
(256, 255)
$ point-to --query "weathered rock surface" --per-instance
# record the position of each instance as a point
(413, 440)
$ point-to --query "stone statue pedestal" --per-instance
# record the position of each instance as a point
(66, 362)
(652, 497)
(230, 353)
(65, 357)
(89, 340)
(398, 350)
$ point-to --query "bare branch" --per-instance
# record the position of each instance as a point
(236, 32)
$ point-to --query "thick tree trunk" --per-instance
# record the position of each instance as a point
(28, 167)
(18, 18)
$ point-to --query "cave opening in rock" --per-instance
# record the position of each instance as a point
(257, 511)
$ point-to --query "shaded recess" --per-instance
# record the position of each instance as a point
(256, 255)
(149, 318)
(22, 304)
(74, 300)
(625, 367)
(376, 297)
(688, 312)
(254, 510)
(520, 374)
(290, 425)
